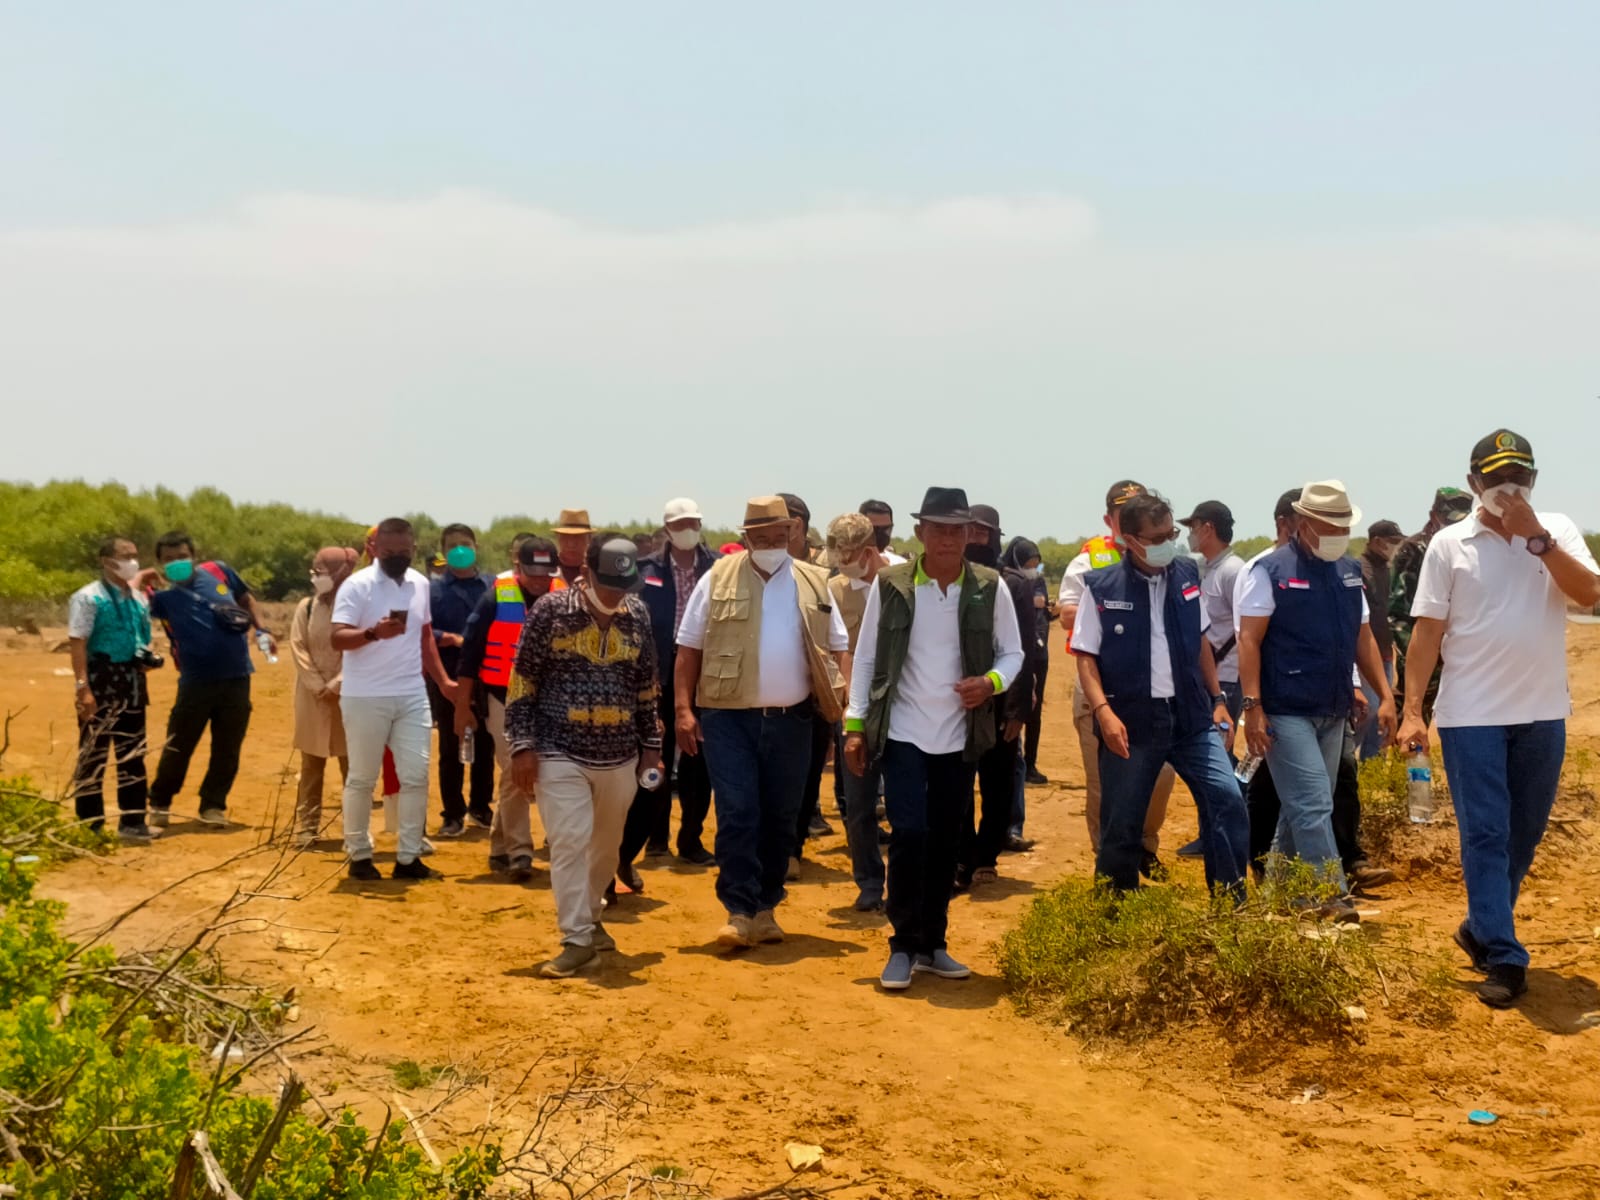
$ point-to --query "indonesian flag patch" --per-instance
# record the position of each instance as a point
(1303, 585)
(1191, 592)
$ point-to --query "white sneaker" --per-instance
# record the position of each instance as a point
(215, 817)
(427, 846)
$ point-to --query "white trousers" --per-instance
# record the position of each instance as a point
(405, 725)
(583, 810)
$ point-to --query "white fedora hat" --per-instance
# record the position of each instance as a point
(1326, 500)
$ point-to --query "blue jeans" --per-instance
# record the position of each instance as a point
(1126, 785)
(758, 766)
(1304, 760)
(1502, 781)
(1368, 742)
(861, 825)
(926, 796)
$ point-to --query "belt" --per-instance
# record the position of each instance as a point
(803, 709)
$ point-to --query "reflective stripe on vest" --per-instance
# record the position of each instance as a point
(1102, 552)
(510, 610)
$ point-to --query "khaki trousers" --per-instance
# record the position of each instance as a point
(1089, 745)
(308, 804)
(583, 810)
(511, 830)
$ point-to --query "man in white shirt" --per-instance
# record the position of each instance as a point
(936, 649)
(382, 623)
(1492, 597)
(752, 674)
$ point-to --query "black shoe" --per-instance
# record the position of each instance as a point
(480, 818)
(521, 869)
(868, 903)
(657, 850)
(415, 869)
(1472, 946)
(1152, 868)
(819, 826)
(499, 862)
(630, 879)
(1035, 777)
(1018, 845)
(1504, 985)
(608, 899)
(364, 868)
(1195, 849)
(962, 882)
(697, 856)
(452, 828)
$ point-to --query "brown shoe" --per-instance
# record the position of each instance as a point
(735, 935)
(1365, 877)
(764, 928)
(793, 873)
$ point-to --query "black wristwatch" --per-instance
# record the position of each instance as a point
(1250, 702)
(370, 634)
(1540, 544)
(1219, 698)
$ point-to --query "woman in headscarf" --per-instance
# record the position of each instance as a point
(318, 729)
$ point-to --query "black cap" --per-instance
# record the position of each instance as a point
(618, 566)
(1384, 529)
(984, 514)
(945, 506)
(1121, 492)
(1502, 448)
(1286, 503)
(535, 560)
(1212, 512)
(1451, 504)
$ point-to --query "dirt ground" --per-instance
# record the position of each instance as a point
(941, 1091)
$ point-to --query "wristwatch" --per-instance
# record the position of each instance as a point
(1219, 698)
(1250, 702)
(370, 634)
(1540, 544)
(81, 684)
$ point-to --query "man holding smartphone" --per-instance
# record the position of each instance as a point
(383, 623)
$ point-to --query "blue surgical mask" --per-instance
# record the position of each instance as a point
(1160, 555)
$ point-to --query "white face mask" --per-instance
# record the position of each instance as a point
(1494, 499)
(125, 569)
(1194, 542)
(322, 584)
(854, 570)
(684, 539)
(1160, 555)
(1332, 549)
(593, 597)
(769, 561)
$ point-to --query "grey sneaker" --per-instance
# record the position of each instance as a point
(137, 835)
(735, 935)
(521, 869)
(602, 940)
(941, 964)
(215, 817)
(451, 829)
(158, 818)
(765, 928)
(896, 975)
(569, 962)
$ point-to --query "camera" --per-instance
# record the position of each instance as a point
(148, 658)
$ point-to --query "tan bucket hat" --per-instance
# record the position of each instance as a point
(1326, 500)
(573, 520)
(764, 510)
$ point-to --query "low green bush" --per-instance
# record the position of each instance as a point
(1132, 964)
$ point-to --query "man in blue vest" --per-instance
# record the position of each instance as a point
(935, 651)
(1302, 629)
(1150, 679)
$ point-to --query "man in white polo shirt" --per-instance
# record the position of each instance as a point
(1492, 595)
(382, 623)
(750, 677)
(937, 646)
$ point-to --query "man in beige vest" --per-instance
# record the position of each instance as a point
(753, 653)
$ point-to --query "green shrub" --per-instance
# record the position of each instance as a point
(1129, 965)
(32, 823)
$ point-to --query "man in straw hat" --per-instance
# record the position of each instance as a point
(753, 656)
(938, 644)
(582, 722)
(573, 533)
(1303, 627)
(1493, 594)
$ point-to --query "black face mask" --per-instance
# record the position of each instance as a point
(395, 566)
(982, 554)
(881, 535)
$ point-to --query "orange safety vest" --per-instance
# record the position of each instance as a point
(1102, 552)
(510, 610)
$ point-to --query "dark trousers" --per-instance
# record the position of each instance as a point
(1263, 803)
(1041, 672)
(861, 825)
(114, 734)
(997, 795)
(822, 737)
(757, 763)
(650, 816)
(925, 796)
(223, 704)
(452, 774)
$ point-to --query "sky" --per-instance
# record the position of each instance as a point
(500, 258)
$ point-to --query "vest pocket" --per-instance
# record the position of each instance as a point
(720, 675)
(730, 608)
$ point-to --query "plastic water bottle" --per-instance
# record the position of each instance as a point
(1247, 768)
(264, 643)
(467, 753)
(1419, 788)
(650, 780)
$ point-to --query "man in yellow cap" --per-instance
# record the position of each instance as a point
(753, 653)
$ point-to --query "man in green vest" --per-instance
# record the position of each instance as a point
(934, 652)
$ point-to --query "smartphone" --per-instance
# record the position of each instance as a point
(399, 614)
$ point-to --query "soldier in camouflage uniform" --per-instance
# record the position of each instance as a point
(1449, 506)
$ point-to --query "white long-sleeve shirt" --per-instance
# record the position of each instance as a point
(927, 711)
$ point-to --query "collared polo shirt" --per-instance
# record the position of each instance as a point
(1087, 631)
(1217, 579)
(111, 622)
(1505, 633)
(927, 711)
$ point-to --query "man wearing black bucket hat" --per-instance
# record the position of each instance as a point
(582, 722)
(1492, 597)
(935, 651)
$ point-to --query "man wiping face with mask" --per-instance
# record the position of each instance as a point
(1303, 626)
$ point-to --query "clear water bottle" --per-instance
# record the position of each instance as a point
(468, 753)
(651, 779)
(264, 644)
(1419, 786)
(1247, 768)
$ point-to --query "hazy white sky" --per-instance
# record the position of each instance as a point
(503, 258)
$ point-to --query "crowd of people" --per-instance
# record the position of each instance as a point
(597, 676)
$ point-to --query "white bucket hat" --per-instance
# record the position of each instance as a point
(1326, 500)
